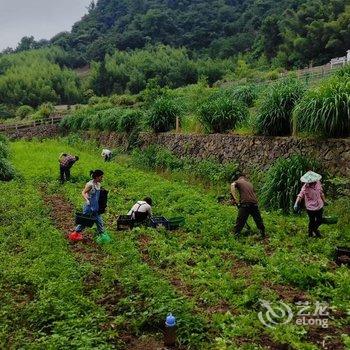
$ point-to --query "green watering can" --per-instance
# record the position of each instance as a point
(103, 238)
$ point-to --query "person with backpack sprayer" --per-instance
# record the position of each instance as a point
(247, 204)
(92, 194)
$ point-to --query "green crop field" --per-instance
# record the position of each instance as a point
(58, 295)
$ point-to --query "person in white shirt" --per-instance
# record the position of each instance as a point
(141, 210)
(106, 154)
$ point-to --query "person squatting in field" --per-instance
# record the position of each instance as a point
(312, 194)
(106, 154)
(247, 204)
(141, 210)
(91, 194)
(66, 162)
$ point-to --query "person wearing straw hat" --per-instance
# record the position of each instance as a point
(312, 193)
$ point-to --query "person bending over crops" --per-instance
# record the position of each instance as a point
(66, 162)
(312, 194)
(91, 195)
(247, 204)
(106, 154)
(141, 210)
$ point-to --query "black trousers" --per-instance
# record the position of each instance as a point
(315, 220)
(108, 157)
(243, 214)
(64, 174)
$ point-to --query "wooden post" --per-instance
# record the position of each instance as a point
(177, 125)
(294, 126)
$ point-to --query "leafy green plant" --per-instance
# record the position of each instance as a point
(24, 111)
(163, 114)
(326, 109)
(282, 182)
(130, 120)
(7, 172)
(220, 113)
(46, 109)
(4, 150)
(276, 106)
(245, 93)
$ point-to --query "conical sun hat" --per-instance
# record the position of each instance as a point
(310, 176)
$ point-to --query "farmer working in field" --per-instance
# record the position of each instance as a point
(106, 154)
(91, 194)
(314, 197)
(66, 162)
(247, 204)
(141, 210)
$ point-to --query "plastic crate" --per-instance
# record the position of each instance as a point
(342, 255)
(125, 222)
(84, 219)
(159, 221)
(176, 222)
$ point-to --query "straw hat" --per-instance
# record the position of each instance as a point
(310, 177)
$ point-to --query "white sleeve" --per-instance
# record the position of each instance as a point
(131, 210)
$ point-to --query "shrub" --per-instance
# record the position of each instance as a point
(4, 150)
(4, 139)
(4, 112)
(344, 72)
(245, 93)
(46, 109)
(276, 106)
(326, 108)
(212, 171)
(146, 158)
(221, 114)
(166, 160)
(209, 171)
(24, 111)
(162, 116)
(123, 100)
(7, 171)
(282, 183)
(130, 120)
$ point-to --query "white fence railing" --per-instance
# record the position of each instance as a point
(54, 120)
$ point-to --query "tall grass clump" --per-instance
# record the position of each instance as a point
(220, 113)
(244, 93)
(282, 183)
(276, 106)
(130, 120)
(325, 109)
(162, 115)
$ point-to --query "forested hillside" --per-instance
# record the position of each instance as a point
(290, 32)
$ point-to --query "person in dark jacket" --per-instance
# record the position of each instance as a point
(247, 204)
(66, 162)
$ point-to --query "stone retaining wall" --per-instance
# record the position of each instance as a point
(248, 151)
